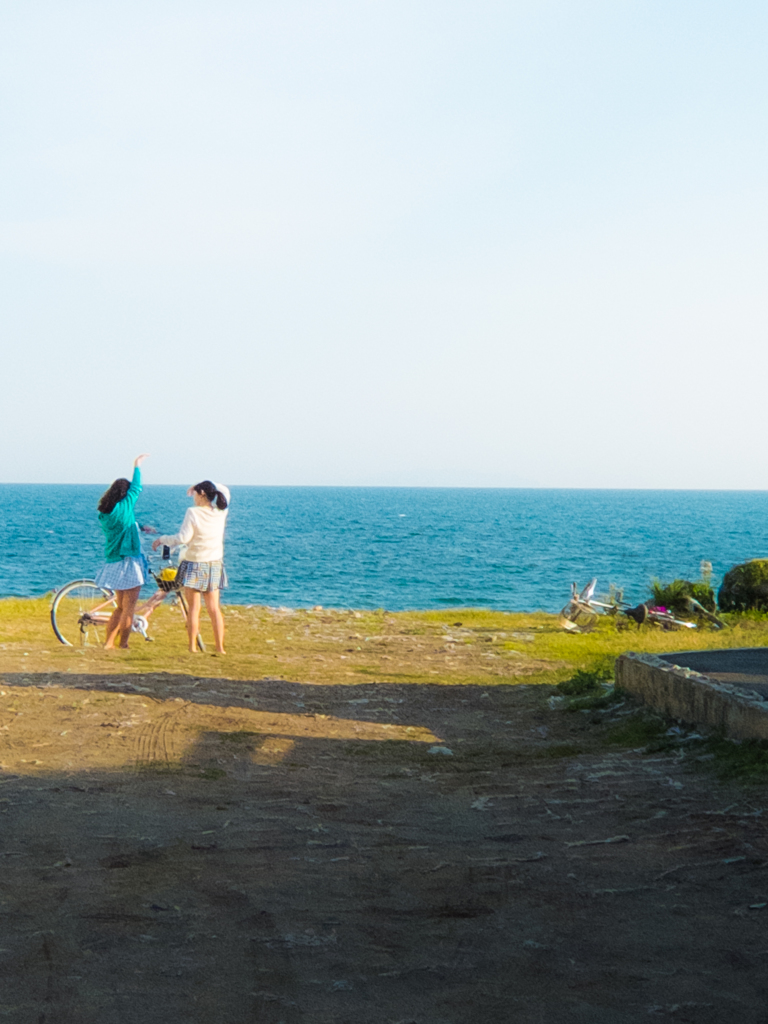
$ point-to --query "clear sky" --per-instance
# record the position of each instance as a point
(397, 242)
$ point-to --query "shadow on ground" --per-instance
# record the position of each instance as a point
(185, 850)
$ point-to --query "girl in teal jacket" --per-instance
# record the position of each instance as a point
(125, 568)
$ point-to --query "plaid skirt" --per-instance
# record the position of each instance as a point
(202, 575)
(126, 574)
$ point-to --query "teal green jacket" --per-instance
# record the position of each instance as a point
(121, 531)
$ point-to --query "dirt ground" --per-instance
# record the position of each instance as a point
(180, 849)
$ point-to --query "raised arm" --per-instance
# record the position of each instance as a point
(134, 490)
(184, 536)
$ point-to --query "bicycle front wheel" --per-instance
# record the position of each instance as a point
(80, 613)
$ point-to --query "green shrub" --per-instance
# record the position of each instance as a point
(673, 595)
(745, 587)
(582, 682)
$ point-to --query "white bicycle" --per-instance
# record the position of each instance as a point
(583, 610)
(81, 610)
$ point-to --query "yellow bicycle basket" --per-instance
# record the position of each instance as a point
(166, 579)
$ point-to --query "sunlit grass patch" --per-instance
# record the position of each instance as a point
(454, 646)
(479, 618)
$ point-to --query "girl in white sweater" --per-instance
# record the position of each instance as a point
(202, 569)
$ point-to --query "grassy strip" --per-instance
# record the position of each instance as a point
(455, 646)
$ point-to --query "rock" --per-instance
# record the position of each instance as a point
(745, 586)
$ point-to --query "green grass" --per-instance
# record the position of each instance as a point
(640, 730)
(584, 682)
(344, 647)
(746, 761)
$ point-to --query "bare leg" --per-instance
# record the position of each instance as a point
(130, 597)
(217, 619)
(193, 617)
(114, 621)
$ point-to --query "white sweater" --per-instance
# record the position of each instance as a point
(202, 531)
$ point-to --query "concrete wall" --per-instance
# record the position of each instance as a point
(694, 698)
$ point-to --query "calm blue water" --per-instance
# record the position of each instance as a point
(403, 548)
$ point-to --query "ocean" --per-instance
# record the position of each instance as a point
(405, 548)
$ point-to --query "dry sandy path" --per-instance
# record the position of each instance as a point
(184, 850)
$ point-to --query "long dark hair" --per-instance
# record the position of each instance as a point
(208, 488)
(113, 495)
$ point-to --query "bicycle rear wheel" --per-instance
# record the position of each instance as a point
(80, 612)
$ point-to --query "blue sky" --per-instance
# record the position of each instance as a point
(418, 243)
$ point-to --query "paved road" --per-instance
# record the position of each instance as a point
(744, 666)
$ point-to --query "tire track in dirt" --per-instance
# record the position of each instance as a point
(156, 741)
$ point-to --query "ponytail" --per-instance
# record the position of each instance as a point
(213, 495)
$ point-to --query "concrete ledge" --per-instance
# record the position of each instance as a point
(695, 698)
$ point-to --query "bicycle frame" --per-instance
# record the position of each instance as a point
(583, 610)
(101, 614)
(98, 614)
